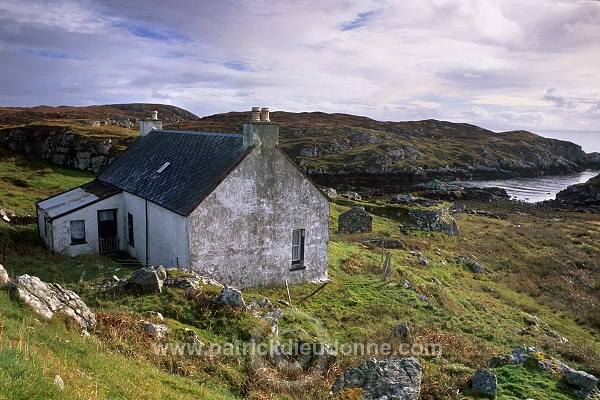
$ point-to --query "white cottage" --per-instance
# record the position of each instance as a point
(231, 206)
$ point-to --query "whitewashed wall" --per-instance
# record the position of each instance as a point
(242, 233)
(61, 227)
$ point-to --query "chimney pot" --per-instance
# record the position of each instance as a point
(154, 115)
(255, 114)
(264, 114)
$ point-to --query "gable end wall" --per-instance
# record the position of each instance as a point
(241, 234)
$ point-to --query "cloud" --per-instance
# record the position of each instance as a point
(481, 61)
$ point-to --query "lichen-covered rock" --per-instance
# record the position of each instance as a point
(398, 379)
(230, 296)
(48, 299)
(355, 220)
(484, 383)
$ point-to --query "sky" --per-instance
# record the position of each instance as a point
(499, 64)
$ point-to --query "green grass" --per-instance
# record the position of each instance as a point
(541, 263)
(34, 350)
(26, 179)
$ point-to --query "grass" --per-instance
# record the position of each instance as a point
(33, 351)
(26, 179)
(540, 263)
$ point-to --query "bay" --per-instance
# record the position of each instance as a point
(532, 190)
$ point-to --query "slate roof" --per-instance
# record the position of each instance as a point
(198, 162)
(77, 198)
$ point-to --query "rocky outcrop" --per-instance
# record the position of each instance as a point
(398, 379)
(582, 382)
(48, 299)
(437, 189)
(63, 146)
(581, 195)
(355, 220)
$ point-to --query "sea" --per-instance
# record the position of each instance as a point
(545, 188)
(532, 190)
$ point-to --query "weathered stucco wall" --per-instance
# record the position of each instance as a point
(241, 234)
(61, 228)
(167, 240)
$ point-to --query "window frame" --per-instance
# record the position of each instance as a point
(298, 244)
(130, 230)
(74, 240)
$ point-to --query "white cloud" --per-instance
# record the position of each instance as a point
(479, 61)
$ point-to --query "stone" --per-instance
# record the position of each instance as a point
(155, 331)
(331, 193)
(484, 383)
(48, 299)
(191, 281)
(355, 220)
(59, 383)
(581, 379)
(188, 335)
(472, 263)
(392, 379)
(424, 262)
(4, 279)
(405, 283)
(145, 280)
(400, 332)
(230, 296)
(424, 298)
(435, 219)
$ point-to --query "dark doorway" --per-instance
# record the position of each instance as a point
(107, 231)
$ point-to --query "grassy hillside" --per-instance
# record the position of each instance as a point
(538, 263)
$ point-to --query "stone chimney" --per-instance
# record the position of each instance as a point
(147, 125)
(260, 131)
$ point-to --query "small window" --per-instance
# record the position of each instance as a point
(130, 229)
(78, 232)
(298, 248)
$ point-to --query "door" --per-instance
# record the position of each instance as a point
(107, 231)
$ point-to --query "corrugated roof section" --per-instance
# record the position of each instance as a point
(77, 198)
(198, 162)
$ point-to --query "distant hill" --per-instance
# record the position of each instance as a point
(342, 148)
(333, 149)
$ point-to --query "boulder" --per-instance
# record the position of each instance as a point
(581, 379)
(230, 296)
(435, 219)
(398, 379)
(155, 331)
(484, 383)
(48, 299)
(4, 279)
(355, 220)
(146, 280)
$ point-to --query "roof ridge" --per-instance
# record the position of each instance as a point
(200, 133)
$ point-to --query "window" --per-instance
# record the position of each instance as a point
(130, 229)
(78, 231)
(298, 249)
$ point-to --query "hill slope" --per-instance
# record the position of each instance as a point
(333, 149)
